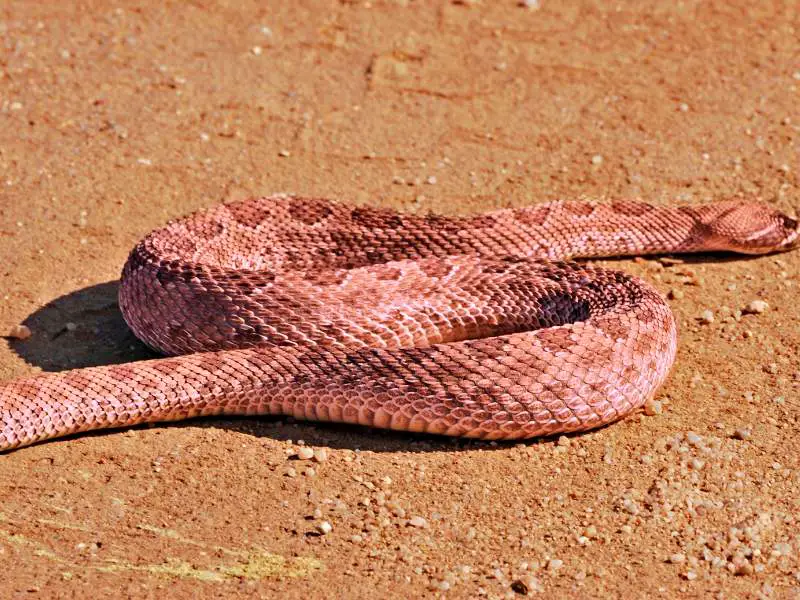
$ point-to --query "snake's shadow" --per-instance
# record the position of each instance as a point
(81, 329)
(85, 328)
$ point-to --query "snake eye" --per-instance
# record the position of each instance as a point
(789, 223)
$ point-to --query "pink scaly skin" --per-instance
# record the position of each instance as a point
(454, 326)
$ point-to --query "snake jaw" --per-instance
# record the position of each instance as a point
(793, 237)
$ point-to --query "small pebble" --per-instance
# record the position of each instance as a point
(419, 522)
(707, 317)
(677, 558)
(697, 464)
(653, 407)
(305, 453)
(782, 549)
(320, 455)
(742, 433)
(630, 506)
(597, 159)
(19, 332)
(554, 564)
(284, 153)
(324, 528)
(741, 566)
(756, 307)
(693, 438)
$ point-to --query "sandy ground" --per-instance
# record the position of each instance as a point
(115, 117)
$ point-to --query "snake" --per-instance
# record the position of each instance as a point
(480, 326)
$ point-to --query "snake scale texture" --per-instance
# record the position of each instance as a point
(470, 326)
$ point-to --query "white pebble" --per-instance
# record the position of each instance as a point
(554, 564)
(597, 159)
(756, 307)
(697, 464)
(630, 506)
(782, 549)
(418, 521)
(707, 316)
(653, 407)
(677, 558)
(305, 453)
(693, 438)
(324, 528)
(320, 455)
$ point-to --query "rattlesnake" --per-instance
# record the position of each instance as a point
(458, 326)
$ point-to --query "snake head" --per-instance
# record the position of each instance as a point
(753, 228)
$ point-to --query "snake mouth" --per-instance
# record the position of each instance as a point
(793, 238)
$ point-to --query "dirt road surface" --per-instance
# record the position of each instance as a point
(117, 116)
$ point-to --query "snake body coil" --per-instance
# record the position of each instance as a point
(457, 326)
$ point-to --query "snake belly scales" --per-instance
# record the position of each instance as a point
(471, 326)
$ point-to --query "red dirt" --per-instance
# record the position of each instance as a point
(116, 117)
